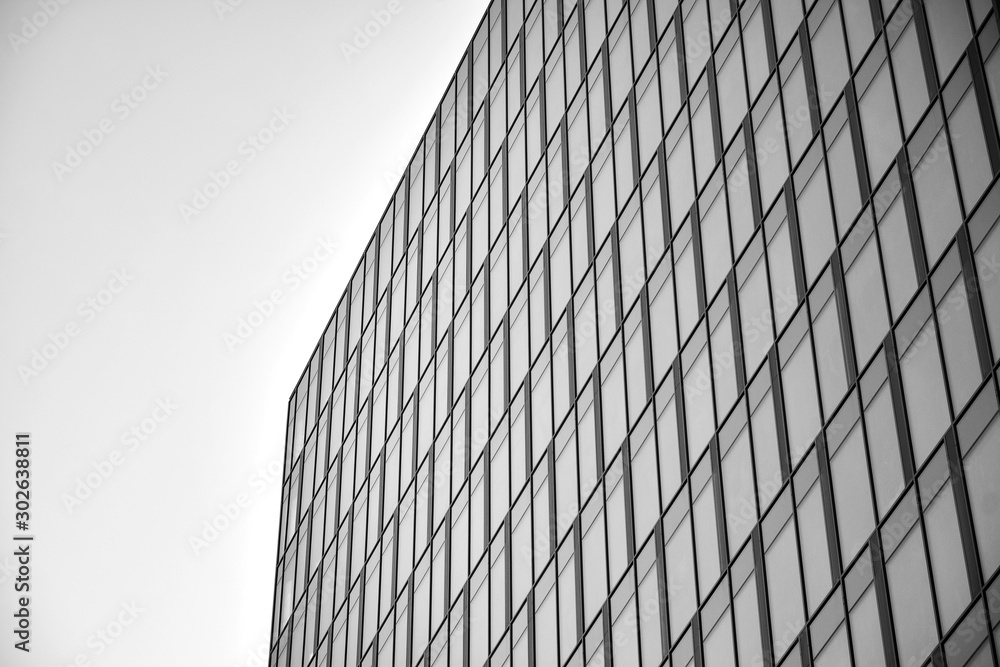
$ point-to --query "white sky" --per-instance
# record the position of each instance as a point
(64, 233)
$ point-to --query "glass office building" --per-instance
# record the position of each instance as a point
(676, 345)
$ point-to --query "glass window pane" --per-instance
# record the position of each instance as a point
(706, 538)
(796, 105)
(698, 409)
(798, 381)
(843, 179)
(971, 159)
(679, 178)
(626, 641)
(869, 320)
(765, 451)
(911, 86)
(982, 470)
(715, 253)
(545, 629)
(897, 256)
(595, 578)
(737, 485)
(568, 632)
(719, 644)
(668, 447)
(697, 41)
(756, 52)
(988, 272)
(883, 446)
(662, 311)
(815, 224)
(740, 207)
(670, 87)
(652, 215)
(951, 582)
(866, 631)
(950, 33)
(910, 594)
(748, 623)
(849, 469)
(648, 121)
(649, 617)
(613, 416)
(603, 199)
(959, 344)
(858, 19)
(993, 78)
(619, 64)
(681, 603)
(617, 556)
(878, 120)
(784, 588)
(830, 356)
(732, 93)
(832, 68)
(982, 658)
(586, 436)
(836, 653)
(815, 555)
(783, 294)
(687, 291)
(923, 387)
(937, 200)
(755, 313)
(785, 23)
(723, 361)
(478, 631)
(645, 488)
(772, 161)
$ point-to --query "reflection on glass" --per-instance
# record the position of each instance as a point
(910, 595)
(937, 200)
(849, 469)
(897, 256)
(864, 294)
(982, 468)
(959, 344)
(971, 159)
(878, 119)
(718, 644)
(798, 380)
(772, 162)
(988, 272)
(748, 623)
(681, 599)
(815, 224)
(866, 632)
(784, 587)
(923, 386)
(883, 446)
(951, 583)
(950, 32)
